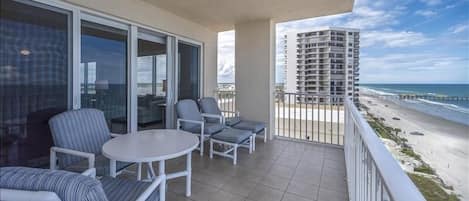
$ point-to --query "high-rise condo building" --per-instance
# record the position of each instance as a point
(323, 62)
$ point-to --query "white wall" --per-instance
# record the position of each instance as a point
(147, 14)
(255, 71)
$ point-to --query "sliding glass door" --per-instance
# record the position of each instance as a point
(189, 71)
(152, 81)
(35, 79)
(59, 57)
(103, 72)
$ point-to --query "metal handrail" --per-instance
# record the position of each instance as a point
(396, 181)
(309, 117)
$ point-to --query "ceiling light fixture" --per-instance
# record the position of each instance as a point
(25, 52)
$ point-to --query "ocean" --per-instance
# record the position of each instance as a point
(453, 110)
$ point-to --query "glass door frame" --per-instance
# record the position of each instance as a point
(130, 60)
(171, 109)
(198, 45)
(151, 35)
(80, 13)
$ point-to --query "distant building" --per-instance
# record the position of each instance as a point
(322, 62)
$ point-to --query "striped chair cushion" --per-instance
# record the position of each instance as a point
(209, 128)
(233, 135)
(67, 185)
(101, 164)
(210, 106)
(253, 126)
(188, 109)
(83, 130)
(125, 190)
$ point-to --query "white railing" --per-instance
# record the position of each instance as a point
(372, 172)
(309, 117)
(226, 102)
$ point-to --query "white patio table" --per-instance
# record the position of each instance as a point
(153, 145)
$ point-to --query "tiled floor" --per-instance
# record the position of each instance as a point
(277, 171)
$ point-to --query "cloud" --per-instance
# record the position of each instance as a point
(459, 28)
(431, 2)
(366, 17)
(450, 6)
(425, 13)
(226, 42)
(410, 61)
(392, 39)
(414, 68)
(363, 17)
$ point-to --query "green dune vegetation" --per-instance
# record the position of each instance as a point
(423, 176)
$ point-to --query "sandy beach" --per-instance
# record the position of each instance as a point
(444, 145)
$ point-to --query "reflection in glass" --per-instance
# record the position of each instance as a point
(188, 60)
(34, 80)
(151, 84)
(103, 72)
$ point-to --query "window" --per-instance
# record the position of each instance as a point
(35, 81)
(104, 72)
(188, 61)
(152, 85)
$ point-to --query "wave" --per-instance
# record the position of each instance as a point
(366, 89)
(446, 105)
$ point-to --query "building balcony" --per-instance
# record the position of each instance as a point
(319, 147)
(329, 128)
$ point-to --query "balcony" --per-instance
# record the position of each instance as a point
(320, 147)
(278, 170)
(324, 144)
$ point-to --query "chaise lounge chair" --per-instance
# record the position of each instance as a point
(209, 105)
(192, 120)
(26, 184)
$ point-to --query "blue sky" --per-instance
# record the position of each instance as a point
(402, 41)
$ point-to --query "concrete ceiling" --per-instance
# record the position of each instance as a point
(222, 15)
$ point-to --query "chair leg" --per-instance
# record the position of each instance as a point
(235, 154)
(189, 174)
(139, 171)
(202, 145)
(254, 142)
(161, 172)
(251, 145)
(265, 134)
(211, 149)
(150, 172)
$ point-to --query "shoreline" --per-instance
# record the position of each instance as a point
(444, 144)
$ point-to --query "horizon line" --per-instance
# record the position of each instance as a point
(381, 83)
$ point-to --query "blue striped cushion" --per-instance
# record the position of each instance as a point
(101, 164)
(188, 109)
(125, 190)
(233, 135)
(231, 121)
(253, 126)
(210, 106)
(209, 128)
(83, 130)
(67, 185)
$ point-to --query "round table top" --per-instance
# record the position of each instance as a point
(150, 145)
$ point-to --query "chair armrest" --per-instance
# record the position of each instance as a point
(53, 156)
(231, 112)
(219, 117)
(113, 135)
(150, 189)
(202, 124)
(188, 121)
(90, 172)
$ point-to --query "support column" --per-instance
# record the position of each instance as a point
(255, 71)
